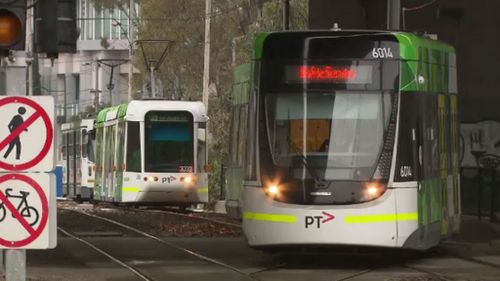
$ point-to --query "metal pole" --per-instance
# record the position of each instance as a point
(479, 192)
(15, 265)
(393, 14)
(2, 268)
(67, 164)
(206, 57)
(493, 193)
(74, 163)
(130, 50)
(96, 98)
(286, 14)
(152, 78)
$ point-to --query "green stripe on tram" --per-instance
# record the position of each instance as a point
(202, 190)
(269, 217)
(131, 189)
(381, 218)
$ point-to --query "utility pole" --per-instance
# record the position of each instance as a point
(393, 14)
(286, 14)
(152, 78)
(130, 50)
(206, 58)
(96, 90)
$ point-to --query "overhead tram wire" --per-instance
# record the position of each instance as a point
(416, 8)
(200, 16)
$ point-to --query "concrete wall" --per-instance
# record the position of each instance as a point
(470, 26)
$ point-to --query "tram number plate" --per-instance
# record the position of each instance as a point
(185, 169)
(381, 53)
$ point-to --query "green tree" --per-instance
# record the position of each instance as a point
(234, 25)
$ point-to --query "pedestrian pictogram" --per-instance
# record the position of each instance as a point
(14, 124)
(25, 214)
(26, 134)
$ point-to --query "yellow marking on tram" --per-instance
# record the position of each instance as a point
(381, 218)
(130, 189)
(269, 217)
(202, 190)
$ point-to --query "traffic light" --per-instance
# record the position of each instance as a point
(55, 27)
(12, 25)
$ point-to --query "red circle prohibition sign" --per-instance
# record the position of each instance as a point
(39, 113)
(33, 232)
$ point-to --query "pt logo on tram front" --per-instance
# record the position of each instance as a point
(317, 221)
(168, 179)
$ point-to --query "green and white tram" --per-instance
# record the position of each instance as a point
(345, 138)
(152, 152)
(76, 156)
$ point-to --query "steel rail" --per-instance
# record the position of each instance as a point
(179, 248)
(111, 257)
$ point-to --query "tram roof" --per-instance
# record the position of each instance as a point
(137, 109)
(410, 43)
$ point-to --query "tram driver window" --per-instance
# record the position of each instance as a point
(133, 147)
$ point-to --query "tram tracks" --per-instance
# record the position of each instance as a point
(141, 274)
(195, 217)
(430, 275)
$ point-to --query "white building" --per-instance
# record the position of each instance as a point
(101, 64)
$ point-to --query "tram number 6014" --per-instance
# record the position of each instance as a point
(381, 53)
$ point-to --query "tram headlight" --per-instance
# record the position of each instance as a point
(188, 179)
(272, 190)
(151, 178)
(373, 190)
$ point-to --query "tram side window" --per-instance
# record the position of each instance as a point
(85, 140)
(234, 134)
(121, 142)
(407, 165)
(133, 147)
(202, 147)
(242, 134)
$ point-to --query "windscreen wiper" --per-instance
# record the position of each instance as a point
(311, 171)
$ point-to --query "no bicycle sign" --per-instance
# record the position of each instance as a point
(27, 211)
(26, 133)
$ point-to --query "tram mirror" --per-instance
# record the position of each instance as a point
(202, 134)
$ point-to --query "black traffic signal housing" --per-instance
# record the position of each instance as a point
(55, 27)
(12, 25)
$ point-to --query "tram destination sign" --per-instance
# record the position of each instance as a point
(360, 74)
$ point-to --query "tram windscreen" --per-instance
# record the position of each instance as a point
(340, 134)
(168, 141)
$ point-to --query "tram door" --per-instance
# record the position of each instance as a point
(238, 139)
(109, 161)
(430, 206)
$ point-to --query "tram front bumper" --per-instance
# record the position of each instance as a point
(270, 223)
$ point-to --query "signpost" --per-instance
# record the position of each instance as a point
(27, 180)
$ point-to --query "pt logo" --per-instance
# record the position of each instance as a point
(168, 179)
(317, 221)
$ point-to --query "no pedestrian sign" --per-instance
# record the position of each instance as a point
(27, 211)
(26, 134)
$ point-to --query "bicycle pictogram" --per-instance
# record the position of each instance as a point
(25, 210)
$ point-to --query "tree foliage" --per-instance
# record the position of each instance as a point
(234, 25)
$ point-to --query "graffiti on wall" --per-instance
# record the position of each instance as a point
(477, 139)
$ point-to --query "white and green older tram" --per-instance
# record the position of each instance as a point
(345, 138)
(152, 152)
(76, 156)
